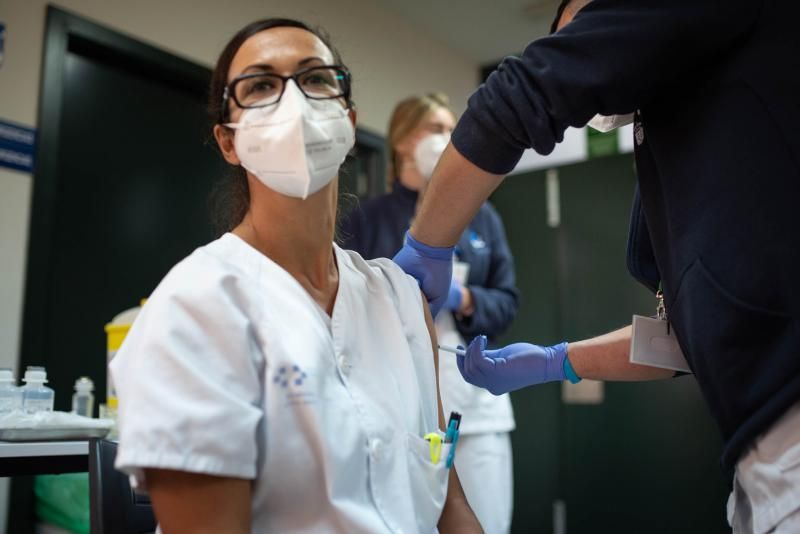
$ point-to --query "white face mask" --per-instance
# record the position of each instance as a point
(606, 123)
(296, 146)
(428, 151)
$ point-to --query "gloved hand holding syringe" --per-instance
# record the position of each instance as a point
(459, 351)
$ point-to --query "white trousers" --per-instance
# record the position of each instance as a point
(485, 469)
(766, 487)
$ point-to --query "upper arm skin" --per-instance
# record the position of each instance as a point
(199, 504)
(435, 348)
(457, 516)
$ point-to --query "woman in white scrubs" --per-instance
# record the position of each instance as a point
(274, 382)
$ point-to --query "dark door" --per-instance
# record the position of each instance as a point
(120, 195)
(646, 458)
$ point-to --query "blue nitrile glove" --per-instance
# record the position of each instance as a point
(431, 266)
(454, 296)
(512, 367)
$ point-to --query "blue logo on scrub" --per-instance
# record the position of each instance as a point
(476, 241)
(289, 375)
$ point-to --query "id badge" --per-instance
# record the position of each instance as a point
(654, 345)
(461, 272)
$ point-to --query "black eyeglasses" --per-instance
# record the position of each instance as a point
(263, 89)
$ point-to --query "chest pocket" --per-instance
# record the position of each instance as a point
(428, 482)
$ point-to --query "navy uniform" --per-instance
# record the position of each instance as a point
(376, 229)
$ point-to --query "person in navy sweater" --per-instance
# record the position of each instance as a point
(482, 297)
(712, 90)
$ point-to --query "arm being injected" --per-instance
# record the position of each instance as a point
(457, 515)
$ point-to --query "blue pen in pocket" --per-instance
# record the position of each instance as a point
(452, 436)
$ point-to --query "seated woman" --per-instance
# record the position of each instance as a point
(273, 381)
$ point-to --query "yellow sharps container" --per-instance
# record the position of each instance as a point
(116, 331)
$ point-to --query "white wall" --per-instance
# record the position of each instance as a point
(389, 60)
(573, 149)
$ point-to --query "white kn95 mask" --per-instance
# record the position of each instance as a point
(428, 151)
(294, 147)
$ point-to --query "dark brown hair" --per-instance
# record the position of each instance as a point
(230, 198)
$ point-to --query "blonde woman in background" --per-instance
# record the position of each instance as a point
(483, 297)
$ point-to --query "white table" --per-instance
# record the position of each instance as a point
(43, 457)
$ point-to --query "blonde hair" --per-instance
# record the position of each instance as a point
(408, 114)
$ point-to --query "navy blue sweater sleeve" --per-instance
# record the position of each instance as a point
(611, 59)
(497, 299)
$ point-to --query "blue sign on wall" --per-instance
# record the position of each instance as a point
(16, 146)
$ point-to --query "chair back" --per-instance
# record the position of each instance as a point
(115, 507)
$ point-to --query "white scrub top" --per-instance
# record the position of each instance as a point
(232, 369)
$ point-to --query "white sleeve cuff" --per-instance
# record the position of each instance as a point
(134, 463)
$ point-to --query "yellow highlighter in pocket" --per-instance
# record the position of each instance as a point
(435, 441)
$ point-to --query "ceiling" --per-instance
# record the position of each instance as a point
(484, 31)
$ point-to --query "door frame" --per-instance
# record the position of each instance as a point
(66, 32)
(372, 148)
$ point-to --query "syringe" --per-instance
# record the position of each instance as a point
(453, 350)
